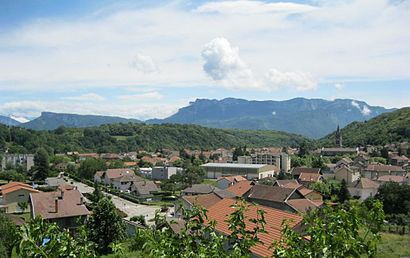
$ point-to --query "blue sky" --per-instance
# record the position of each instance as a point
(146, 59)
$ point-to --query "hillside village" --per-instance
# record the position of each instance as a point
(284, 183)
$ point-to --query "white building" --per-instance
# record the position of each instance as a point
(162, 173)
(26, 161)
(280, 160)
(249, 171)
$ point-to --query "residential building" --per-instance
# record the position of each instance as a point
(241, 188)
(225, 182)
(363, 189)
(55, 181)
(220, 212)
(374, 171)
(310, 194)
(393, 178)
(197, 189)
(309, 178)
(26, 161)
(397, 160)
(84, 156)
(279, 160)
(118, 178)
(162, 173)
(64, 206)
(12, 194)
(349, 174)
(249, 171)
(338, 151)
(144, 188)
(280, 198)
(299, 170)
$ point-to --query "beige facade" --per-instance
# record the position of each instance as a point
(10, 198)
(349, 175)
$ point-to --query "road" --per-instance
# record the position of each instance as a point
(130, 208)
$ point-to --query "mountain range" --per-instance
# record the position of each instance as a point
(313, 118)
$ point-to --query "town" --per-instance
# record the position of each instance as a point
(163, 189)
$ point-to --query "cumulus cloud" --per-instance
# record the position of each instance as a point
(253, 7)
(297, 80)
(222, 63)
(364, 110)
(86, 97)
(144, 64)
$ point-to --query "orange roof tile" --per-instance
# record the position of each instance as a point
(301, 205)
(221, 210)
(15, 186)
(240, 188)
(204, 200)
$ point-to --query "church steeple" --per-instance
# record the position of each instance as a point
(338, 137)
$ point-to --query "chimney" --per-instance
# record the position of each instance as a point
(61, 195)
(81, 200)
(56, 204)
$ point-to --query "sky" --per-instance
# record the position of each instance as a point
(146, 59)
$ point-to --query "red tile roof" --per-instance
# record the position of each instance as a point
(365, 183)
(15, 186)
(382, 168)
(221, 210)
(233, 179)
(240, 188)
(299, 170)
(204, 200)
(309, 177)
(301, 205)
(68, 205)
(392, 178)
(117, 172)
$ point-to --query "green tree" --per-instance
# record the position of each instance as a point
(395, 198)
(343, 194)
(41, 164)
(23, 206)
(97, 194)
(8, 235)
(47, 240)
(105, 225)
(351, 230)
(89, 166)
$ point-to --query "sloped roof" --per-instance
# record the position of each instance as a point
(383, 168)
(392, 178)
(233, 179)
(270, 193)
(305, 191)
(290, 183)
(199, 189)
(221, 210)
(117, 172)
(145, 187)
(224, 193)
(204, 200)
(15, 186)
(365, 183)
(309, 177)
(301, 205)
(240, 188)
(69, 205)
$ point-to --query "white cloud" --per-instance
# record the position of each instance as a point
(144, 64)
(253, 7)
(86, 97)
(222, 63)
(339, 86)
(147, 96)
(365, 110)
(298, 80)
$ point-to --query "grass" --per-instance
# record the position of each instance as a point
(393, 245)
(212, 182)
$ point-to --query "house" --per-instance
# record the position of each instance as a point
(119, 178)
(197, 189)
(241, 188)
(144, 188)
(289, 183)
(274, 218)
(84, 156)
(310, 194)
(392, 178)
(309, 178)
(279, 198)
(397, 160)
(361, 161)
(349, 174)
(225, 182)
(339, 151)
(25, 161)
(363, 189)
(162, 173)
(344, 162)
(54, 181)
(299, 170)
(374, 171)
(249, 171)
(12, 194)
(64, 206)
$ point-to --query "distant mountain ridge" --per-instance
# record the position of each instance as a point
(313, 118)
(8, 121)
(51, 121)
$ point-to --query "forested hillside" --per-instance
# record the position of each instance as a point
(131, 137)
(386, 128)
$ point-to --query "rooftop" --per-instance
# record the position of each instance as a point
(240, 188)
(234, 165)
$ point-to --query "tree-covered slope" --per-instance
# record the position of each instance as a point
(8, 121)
(51, 121)
(390, 127)
(132, 137)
